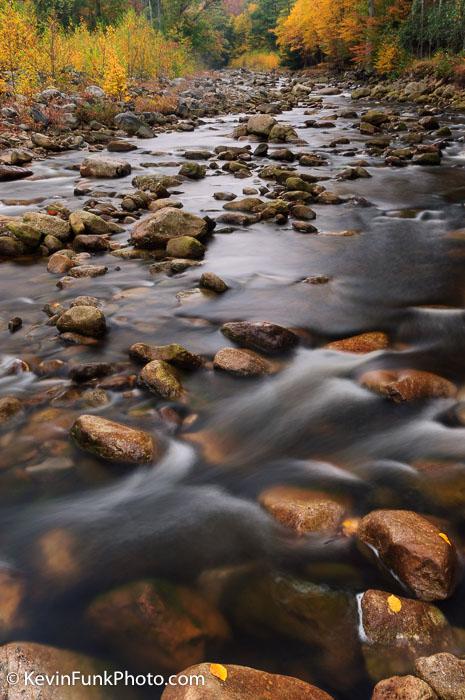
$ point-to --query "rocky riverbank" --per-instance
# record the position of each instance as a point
(231, 389)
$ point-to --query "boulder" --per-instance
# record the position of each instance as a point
(154, 624)
(421, 556)
(156, 183)
(10, 407)
(240, 363)
(13, 172)
(262, 336)
(48, 225)
(59, 264)
(395, 631)
(128, 122)
(96, 166)
(304, 510)
(175, 354)
(260, 125)
(376, 117)
(185, 247)
(18, 659)
(445, 673)
(403, 688)
(29, 237)
(85, 320)
(365, 342)
(193, 171)
(160, 378)
(407, 384)
(155, 230)
(231, 682)
(113, 441)
(84, 222)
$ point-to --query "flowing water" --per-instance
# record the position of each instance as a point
(310, 424)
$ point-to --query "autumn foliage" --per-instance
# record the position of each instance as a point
(113, 56)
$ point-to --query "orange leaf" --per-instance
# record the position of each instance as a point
(394, 604)
(219, 671)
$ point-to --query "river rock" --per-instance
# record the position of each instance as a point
(81, 271)
(160, 378)
(91, 243)
(304, 227)
(376, 117)
(27, 235)
(445, 673)
(157, 625)
(84, 222)
(365, 342)
(58, 263)
(231, 682)
(260, 125)
(403, 688)
(22, 658)
(304, 510)
(10, 247)
(193, 171)
(185, 247)
(128, 122)
(10, 407)
(85, 320)
(395, 631)
(262, 336)
(98, 166)
(155, 230)
(210, 281)
(175, 354)
(48, 225)
(250, 205)
(157, 184)
(418, 553)
(407, 384)
(113, 441)
(240, 363)
(13, 172)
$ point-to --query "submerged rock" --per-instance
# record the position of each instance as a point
(263, 336)
(113, 441)
(185, 247)
(157, 625)
(231, 682)
(407, 384)
(419, 554)
(304, 510)
(212, 282)
(10, 407)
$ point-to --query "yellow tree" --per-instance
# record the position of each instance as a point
(115, 81)
(18, 45)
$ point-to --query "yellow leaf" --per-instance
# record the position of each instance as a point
(394, 604)
(219, 671)
(445, 538)
(350, 526)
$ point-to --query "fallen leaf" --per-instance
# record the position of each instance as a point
(219, 671)
(394, 604)
(445, 538)
(350, 526)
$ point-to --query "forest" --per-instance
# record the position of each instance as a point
(115, 43)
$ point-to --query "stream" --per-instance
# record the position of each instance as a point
(194, 518)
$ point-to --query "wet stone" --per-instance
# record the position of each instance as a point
(240, 363)
(365, 342)
(445, 673)
(419, 554)
(262, 336)
(304, 510)
(10, 407)
(84, 320)
(175, 354)
(211, 281)
(407, 384)
(403, 688)
(159, 377)
(113, 441)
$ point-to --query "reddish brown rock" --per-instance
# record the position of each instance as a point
(242, 683)
(407, 384)
(20, 658)
(418, 553)
(59, 263)
(403, 688)
(262, 336)
(240, 363)
(114, 441)
(155, 624)
(303, 510)
(445, 673)
(396, 630)
(365, 342)
(10, 407)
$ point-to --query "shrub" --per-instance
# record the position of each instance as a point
(257, 60)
